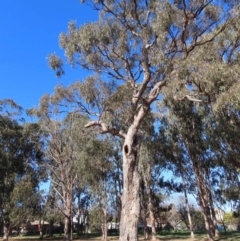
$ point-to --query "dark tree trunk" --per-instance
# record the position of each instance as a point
(51, 228)
(78, 224)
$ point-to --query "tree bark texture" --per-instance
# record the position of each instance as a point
(215, 224)
(131, 183)
(6, 230)
(204, 202)
(150, 206)
(144, 214)
(104, 217)
(68, 199)
(41, 229)
(67, 229)
(188, 209)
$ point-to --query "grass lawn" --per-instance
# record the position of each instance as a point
(165, 236)
(199, 236)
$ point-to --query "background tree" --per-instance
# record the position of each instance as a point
(101, 178)
(65, 142)
(21, 166)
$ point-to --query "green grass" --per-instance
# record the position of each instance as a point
(165, 236)
(199, 236)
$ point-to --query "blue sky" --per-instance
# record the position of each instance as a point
(29, 33)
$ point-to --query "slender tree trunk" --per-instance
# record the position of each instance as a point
(224, 227)
(68, 220)
(104, 219)
(147, 181)
(131, 183)
(151, 212)
(40, 229)
(203, 196)
(51, 228)
(215, 224)
(143, 213)
(207, 215)
(6, 230)
(78, 224)
(208, 223)
(188, 209)
(204, 201)
(153, 223)
(145, 227)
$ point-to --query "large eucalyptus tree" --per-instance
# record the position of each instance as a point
(133, 51)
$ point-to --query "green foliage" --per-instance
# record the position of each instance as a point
(95, 220)
(20, 166)
(229, 218)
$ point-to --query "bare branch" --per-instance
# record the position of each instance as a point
(188, 97)
(104, 128)
(148, 46)
(63, 199)
(155, 91)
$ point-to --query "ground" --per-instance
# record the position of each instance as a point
(166, 236)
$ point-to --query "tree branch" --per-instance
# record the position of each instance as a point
(104, 128)
(188, 97)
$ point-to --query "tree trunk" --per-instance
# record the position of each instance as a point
(147, 181)
(40, 229)
(104, 219)
(206, 214)
(6, 230)
(152, 218)
(143, 213)
(215, 224)
(51, 228)
(203, 195)
(145, 227)
(188, 209)
(131, 183)
(78, 224)
(151, 212)
(67, 229)
(208, 223)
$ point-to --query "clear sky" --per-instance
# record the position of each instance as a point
(29, 32)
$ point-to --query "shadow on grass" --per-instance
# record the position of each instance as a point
(230, 236)
(181, 235)
(164, 236)
(89, 236)
(199, 235)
